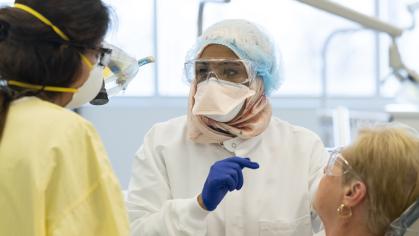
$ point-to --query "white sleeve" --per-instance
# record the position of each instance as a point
(319, 157)
(151, 209)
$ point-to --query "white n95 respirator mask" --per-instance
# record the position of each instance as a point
(220, 100)
(88, 91)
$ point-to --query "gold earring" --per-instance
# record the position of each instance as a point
(344, 211)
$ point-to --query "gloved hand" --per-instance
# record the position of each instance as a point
(225, 175)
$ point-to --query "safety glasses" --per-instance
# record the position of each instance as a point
(233, 70)
(338, 165)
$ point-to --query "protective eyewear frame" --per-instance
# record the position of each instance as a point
(336, 158)
(191, 69)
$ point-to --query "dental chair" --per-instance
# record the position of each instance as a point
(407, 224)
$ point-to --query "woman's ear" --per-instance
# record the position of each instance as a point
(354, 193)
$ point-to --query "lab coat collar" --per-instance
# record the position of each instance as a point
(241, 146)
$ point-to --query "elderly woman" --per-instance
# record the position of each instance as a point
(370, 183)
(192, 177)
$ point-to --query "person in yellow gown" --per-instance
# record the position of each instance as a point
(55, 176)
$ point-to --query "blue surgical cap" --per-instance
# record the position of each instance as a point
(248, 41)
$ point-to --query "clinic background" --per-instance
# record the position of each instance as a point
(326, 61)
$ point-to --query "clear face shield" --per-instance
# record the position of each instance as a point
(236, 71)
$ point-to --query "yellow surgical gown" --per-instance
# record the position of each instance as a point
(55, 177)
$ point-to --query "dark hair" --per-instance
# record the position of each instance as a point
(31, 52)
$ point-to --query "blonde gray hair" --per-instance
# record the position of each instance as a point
(386, 157)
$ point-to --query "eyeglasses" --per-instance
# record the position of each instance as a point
(232, 70)
(104, 56)
(338, 165)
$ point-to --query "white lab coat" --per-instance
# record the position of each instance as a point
(169, 172)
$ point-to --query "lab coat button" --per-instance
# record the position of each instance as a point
(233, 145)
